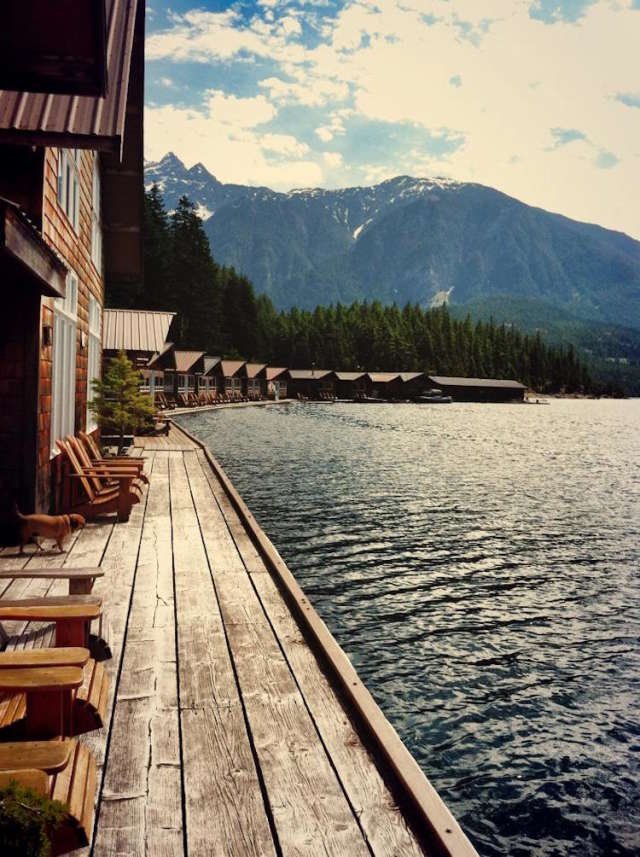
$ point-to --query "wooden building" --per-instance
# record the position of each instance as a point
(311, 383)
(254, 382)
(141, 334)
(211, 377)
(383, 385)
(350, 385)
(276, 378)
(231, 371)
(479, 389)
(412, 384)
(71, 192)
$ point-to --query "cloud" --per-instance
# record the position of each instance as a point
(606, 160)
(629, 99)
(380, 84)
(564, 136)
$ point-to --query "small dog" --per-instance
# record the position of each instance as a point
(56, 527)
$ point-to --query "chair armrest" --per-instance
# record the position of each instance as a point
(69, 656)
(41, 680)
(52, 609)
(49, 756)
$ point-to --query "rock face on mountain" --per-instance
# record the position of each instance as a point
(408, 239)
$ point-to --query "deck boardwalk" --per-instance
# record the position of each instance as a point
(226, 735)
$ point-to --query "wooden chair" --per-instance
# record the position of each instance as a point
(118, 498)
(81, 580)
(61, 770)
(96, 457)
(109, 468)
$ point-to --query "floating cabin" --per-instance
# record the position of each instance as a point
(383, 385)
(413, 384)
(350, 385)
(311, 383)
(141, 334)
(231, 371)
(254, 383)
(181, 369)
(211, 374)
(479, 389)
(71, 203)
(276, 379)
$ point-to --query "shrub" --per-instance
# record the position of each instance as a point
(27, 821)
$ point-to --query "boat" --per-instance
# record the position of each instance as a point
(433, 397)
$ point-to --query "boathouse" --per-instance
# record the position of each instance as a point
(276, 378)
(479, 389)
(141, 334)
(311, 383)
(71, 192)
(231, 371)
(350, 385)
(383, 385)
(254, 383)
(412, 384)
(211, 374)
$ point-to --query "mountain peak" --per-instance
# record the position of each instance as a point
(199, 171)
(170, 160)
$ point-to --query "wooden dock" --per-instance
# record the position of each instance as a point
(236, 725)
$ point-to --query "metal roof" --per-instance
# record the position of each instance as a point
(231, 367)
(349, 376)
(274, 372)
(135, 329)
(383, 377)
(253, 369)
(445, 381)
(186, 360)
(82, 122)
(159, 359)
(210, 363)
(308, 374)
(411, 376)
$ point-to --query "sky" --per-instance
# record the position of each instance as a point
(537, 98)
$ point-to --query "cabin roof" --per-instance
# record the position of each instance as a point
(273, 372)
(186, 360)
(23, 247)
(349, 376)
(135, 330)
(383, 377)
(253, 369)
(446, 381)
(308, 374)
(411, 376)
(82, 122)
(231, 367)
(210, 363)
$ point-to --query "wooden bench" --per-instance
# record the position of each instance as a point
(49, 692)
(62, 770)
(81, 580)
(72, 615)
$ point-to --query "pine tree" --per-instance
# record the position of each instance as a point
(118, 404)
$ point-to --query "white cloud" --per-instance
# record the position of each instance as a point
(332, 159)
(239, 112)
(394, 61)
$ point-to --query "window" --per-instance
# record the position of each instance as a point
(93, 355)
(69, 184)
(63, 389)
(96, 217)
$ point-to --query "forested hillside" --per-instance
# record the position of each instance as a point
(219, 311)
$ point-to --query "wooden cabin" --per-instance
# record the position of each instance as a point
(350, 385)
(71, 203)
(231, 371)
(311, 383)
(412, 384)
(254, 383)
(383, 385)
(479, 389)
(141, 334)
(277, 378)
(211, 377)
(181, 369)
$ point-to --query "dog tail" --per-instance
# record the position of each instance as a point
(18, 514)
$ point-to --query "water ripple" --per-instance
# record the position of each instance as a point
(480, 567)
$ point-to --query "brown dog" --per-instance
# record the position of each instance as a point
(56, 527)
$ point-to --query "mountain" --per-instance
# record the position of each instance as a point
(410, 239)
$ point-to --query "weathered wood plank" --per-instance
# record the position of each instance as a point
(144, 760)
(224, 804)
(310, 810)
(381, 818)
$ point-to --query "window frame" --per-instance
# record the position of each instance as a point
(64, 363)
(94, 356)
(68, 185)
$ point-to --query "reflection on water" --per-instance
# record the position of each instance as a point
(479, 564)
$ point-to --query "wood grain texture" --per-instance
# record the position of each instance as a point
(310, 810)
(224, 804)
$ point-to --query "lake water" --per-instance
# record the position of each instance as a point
(479, 564)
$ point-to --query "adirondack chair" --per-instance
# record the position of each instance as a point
(108, 468)
(61, 770)
(80, 579)
(117, 498)
(96, 457)
(39, 692)
(85, 702)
